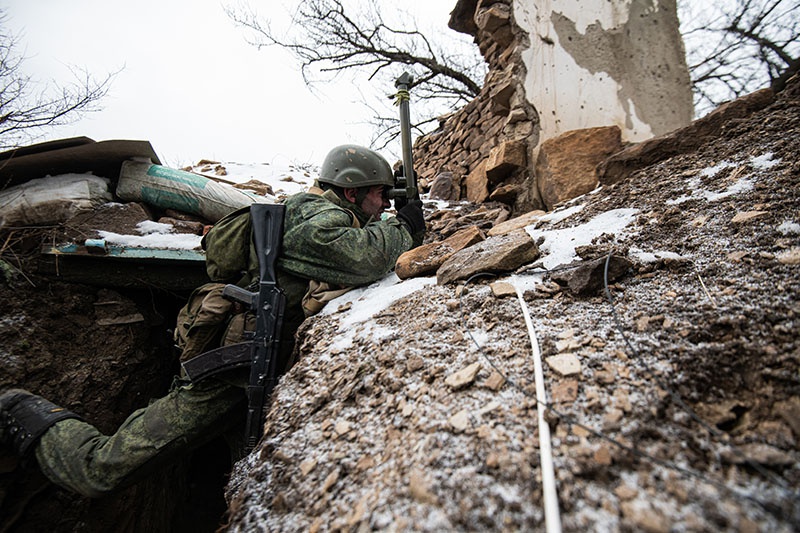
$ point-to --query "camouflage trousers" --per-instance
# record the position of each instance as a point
(76, 456)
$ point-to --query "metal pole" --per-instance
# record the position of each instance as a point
(403, 83)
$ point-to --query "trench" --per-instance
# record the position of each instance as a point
(103, 374)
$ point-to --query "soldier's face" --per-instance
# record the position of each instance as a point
(375, 202)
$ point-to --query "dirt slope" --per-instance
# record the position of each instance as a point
(366, 433)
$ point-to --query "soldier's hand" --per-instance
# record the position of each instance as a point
(411, 215)
(401, 201)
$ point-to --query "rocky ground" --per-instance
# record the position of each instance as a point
(676, 408)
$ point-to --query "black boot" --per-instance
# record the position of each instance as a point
(24, 417)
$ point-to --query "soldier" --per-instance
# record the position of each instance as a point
(334, 239)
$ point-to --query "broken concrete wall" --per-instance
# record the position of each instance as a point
(556, 66)
(605, 62)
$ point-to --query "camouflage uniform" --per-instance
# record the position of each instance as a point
(320, 243)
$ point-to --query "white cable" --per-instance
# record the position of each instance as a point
(552, 518)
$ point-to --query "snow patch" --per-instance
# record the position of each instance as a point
(713, 171)
(652, 257)
(368, 301)
(559, 245)
(789, 228)
(764, 161)
(743, 184)
(560, 214)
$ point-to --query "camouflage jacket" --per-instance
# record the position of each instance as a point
(321, 242)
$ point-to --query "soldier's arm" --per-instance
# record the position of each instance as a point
(327, 248)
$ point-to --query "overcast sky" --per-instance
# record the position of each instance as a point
(188, 81)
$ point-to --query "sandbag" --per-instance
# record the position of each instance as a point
(52, 199)
(168, 188)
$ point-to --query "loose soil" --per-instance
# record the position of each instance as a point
(684, 415)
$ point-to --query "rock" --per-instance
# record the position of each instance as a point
(736, 257)
(496, 254)
(415, 363)
(757, 452)
(307, 466)
(624, 163)
(504, 193)
(459, 421)
(445, 187)
(505, 159)
(427, 258)
(588, 276)
(564, 391)
(183, 226)
(330, 481)
(789, 411)
(478, 184)
(419, 487)
(565, 364)
(567, 345)
(789, 257)
(625, 492)
(602, 455)
(565, 168)
(644, 517)
(516, 223)
(464, 377)
(612, 419)
(718, 414)
(746, 216)
(501, 289)
(607, 375)
(495, 381)
(256, 186)
(341, 427)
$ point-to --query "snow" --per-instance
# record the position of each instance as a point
(764, 161)
(559, 245)
(284, 178)
(366, 302)
(652, 257)
(154, 238)
(789, 228)
(742, 184)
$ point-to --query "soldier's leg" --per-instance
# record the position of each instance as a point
(75, 455)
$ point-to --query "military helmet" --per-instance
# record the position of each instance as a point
(355, 166)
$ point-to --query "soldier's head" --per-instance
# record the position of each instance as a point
(359, 175)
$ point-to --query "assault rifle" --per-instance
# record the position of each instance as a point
(260, 353)
(406, 185)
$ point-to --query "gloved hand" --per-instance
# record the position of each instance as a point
(411, 215)
(401, 201)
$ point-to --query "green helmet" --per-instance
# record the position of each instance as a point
(354, 166)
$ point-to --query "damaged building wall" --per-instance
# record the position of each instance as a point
(554, 67)
(600, 63)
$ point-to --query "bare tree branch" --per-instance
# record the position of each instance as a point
(28, 108)
(332, 37)
(737, 47)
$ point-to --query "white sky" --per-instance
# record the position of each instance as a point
(190, 84)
